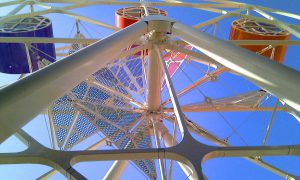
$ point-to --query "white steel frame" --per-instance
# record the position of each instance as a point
(66, 73)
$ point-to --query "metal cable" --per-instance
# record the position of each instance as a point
(234, 92)
(248, 117)
(42, 52)
(86, 30)
(48, 131)
(92, 28)
(220, 114)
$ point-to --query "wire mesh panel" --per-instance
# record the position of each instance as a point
(106, 103)
(130, 73)
(76, 46)
(100, 104)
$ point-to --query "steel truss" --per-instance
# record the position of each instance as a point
(66, 73)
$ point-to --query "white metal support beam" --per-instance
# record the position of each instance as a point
(9, 3)
(258, 69)
(169, 142)
(54, 10)
(175, 4)
(200, 58)
(67, 73)
(293, 112)
(179, 117)
(155, 65)
(153, 93)
(28, 57)
(270, 123)
(92, 21)
(167, 46)
(203, 6)
(46, 40)
(195, 128)
(116, 170)
(113, 91)
(63, 160)
(231, 108)
(176, 105)
(43, 87)
(157, 134)
(264, 20)
(275, 11)
(153, 81)
(277, 22)
(94, 146)
(217, 19)
(17, 9)
(265, 42)
(201, 80)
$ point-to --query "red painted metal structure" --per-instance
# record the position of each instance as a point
(245, 29)
(129, 15)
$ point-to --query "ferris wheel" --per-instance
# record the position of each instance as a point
(166, 90)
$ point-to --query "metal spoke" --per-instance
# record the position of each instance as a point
(200, 81)
(176, 105)
(154, 120)
(271, 122)
(104, 88)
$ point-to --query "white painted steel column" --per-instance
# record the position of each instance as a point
(153, 96)
(23, 100)
(280, 80)
(177, 109)
(164, 133)
(157, 134)
(116, 170)
(168, 139)
(153, 81)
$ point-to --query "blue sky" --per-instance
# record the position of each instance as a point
(251, 126)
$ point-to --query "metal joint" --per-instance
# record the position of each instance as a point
(159, 23)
